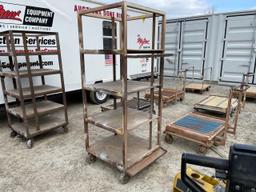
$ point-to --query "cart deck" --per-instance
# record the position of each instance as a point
(216, 104)
(251, 92)
(109, 150)
(192, 87)
(168, 95)
(197, 128)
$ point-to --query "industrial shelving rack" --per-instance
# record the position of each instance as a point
(32, 113)
(128, 152)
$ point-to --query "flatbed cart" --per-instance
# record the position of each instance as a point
(199, 87)
(170, 95)
(251, 91)
(216, 104)
(204, 129)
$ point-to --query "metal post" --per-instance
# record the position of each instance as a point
(62, 78)
(40, 63)
(31, 84)
(83, 80)
(124, 81)
(160, 102)
(114, 55)
(152, 80)
(18, 82)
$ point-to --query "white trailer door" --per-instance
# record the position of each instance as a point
(238, 55)
(172, 46)
(193, 46)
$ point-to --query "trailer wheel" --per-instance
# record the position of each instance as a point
(98, 97)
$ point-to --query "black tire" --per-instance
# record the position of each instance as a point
(98, 97)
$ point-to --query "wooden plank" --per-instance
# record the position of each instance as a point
(215, 103)
(43, 107)
(251, 92)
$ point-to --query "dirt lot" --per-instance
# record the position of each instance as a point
(57, 160)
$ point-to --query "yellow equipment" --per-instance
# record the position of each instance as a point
(207, 183)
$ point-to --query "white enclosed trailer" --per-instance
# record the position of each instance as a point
(224, 42)
(60, 16)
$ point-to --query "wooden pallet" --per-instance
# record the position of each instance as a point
(216, 104)
(197, 87)
(168, 95)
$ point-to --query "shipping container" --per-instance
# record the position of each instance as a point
(61, 17)
(223, 42)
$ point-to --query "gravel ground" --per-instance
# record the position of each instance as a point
(57, 162)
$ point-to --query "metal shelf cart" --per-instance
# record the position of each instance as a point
(126, 151)
(32, 113)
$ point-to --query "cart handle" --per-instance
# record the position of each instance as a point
(219, 164)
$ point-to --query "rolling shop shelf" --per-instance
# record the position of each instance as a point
(33, 114)
(125, 150)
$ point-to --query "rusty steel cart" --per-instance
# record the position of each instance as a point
(251, 91)
(172, 94)
(33, 113)
(125, 150)
(199, 87)
(204, 129)
(133, 103)
(216, 104)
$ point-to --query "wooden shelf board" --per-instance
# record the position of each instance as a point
(43, 107)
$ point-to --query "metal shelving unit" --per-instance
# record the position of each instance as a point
(125, 150)
(32, 113)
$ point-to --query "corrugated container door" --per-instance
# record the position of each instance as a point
(172, 46)
(193, 46)
(238, 55)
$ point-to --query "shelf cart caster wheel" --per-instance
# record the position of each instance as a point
(29, 143)
(90, 159)
(13, 134)
(168, 139)
(124, 178)
(202, 149)
(65, 129)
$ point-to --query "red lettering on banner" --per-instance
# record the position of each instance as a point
(7, 14)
